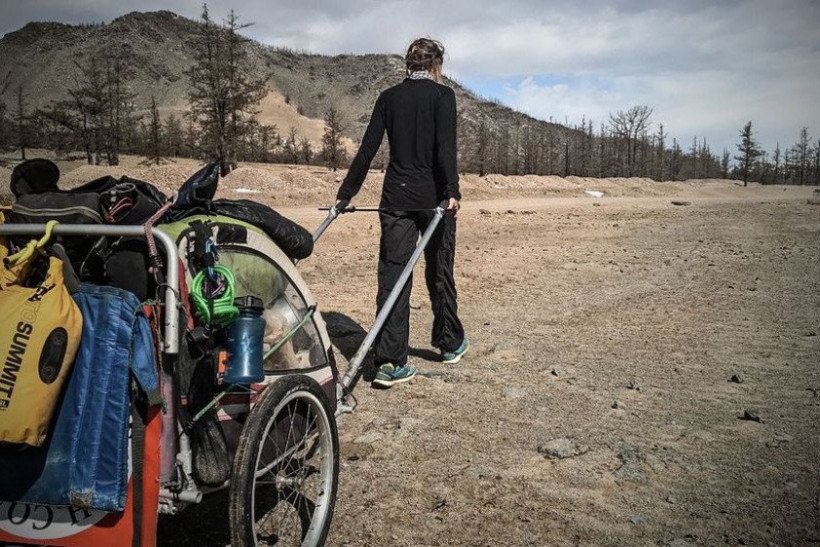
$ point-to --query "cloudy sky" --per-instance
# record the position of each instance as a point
(705, 67)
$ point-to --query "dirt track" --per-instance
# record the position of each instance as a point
(571, 307)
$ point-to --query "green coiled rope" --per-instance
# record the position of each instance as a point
(221, 310)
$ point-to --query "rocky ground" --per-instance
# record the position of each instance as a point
(641, 373)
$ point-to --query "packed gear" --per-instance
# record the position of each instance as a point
(40, 328)
(195, 197)
(219, 426)
(92, 422)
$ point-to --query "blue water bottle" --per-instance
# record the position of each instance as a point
(245, 339)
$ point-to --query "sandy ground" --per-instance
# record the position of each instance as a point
(572, 306)
(300, 185)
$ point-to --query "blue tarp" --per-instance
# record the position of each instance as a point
(84, 462)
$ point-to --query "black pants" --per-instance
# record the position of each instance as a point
(400, 233)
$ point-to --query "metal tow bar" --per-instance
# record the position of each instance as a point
(358, 359)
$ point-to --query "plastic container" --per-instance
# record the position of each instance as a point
(245, 337)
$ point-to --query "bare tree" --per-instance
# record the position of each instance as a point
(292, 146)
(332, 150)
(89, 104)
(675, 163)
(173, 133)
(119, 102)
(603, 152)
(777, 161)
(817, 163)
(4, 85)
(267, 137)
(628, 126)
(593, 158)
(483, 148)
(566, 157)
(515, 151)
(21, 119)
(660, 142)
(305, 150)
(724, 164)
(503, 152)
(749, 152)
(155, 133)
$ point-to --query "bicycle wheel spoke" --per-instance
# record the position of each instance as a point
(292, 469)
(286, 512)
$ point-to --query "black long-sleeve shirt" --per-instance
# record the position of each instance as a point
(420, 119)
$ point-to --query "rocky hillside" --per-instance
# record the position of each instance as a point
(42, 58)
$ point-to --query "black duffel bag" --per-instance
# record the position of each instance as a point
(119, 262)
(195, 197)
(38, 200)
(124, 200)
(64, 207)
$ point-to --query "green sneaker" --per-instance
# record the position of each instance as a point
(452, 357)
(389, 374)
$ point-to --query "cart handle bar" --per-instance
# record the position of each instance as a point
(333, 212)
(354, 209)
(381, 318)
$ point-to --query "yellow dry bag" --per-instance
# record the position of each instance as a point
(40, 328)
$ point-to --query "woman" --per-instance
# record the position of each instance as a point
(419, 116)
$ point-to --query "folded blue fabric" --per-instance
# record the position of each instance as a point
(84, 462)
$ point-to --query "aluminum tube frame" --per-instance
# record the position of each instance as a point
(332, 213)
(170, 343)
(381, 318)
(331, 216)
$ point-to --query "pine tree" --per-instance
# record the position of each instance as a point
(173, 133)
(817, 163)
(155, 133)
(675, 165)
(801, 154)
(190, 140)
(267, 137)
(724, 164)
(660, 142)
(4, 85)
(292, 146)
(749, 152)
(99, 115)
(482, 149)
(21, 116)
(305, 150)
(777, 159)
(119, 114)
(222, 94)
(332, 150)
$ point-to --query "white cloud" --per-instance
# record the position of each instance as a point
(706, 67)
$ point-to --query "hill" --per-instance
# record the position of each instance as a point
(42, 58)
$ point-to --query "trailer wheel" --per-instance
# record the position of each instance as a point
(286, 468)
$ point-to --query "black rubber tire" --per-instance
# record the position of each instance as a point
(271, 403)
